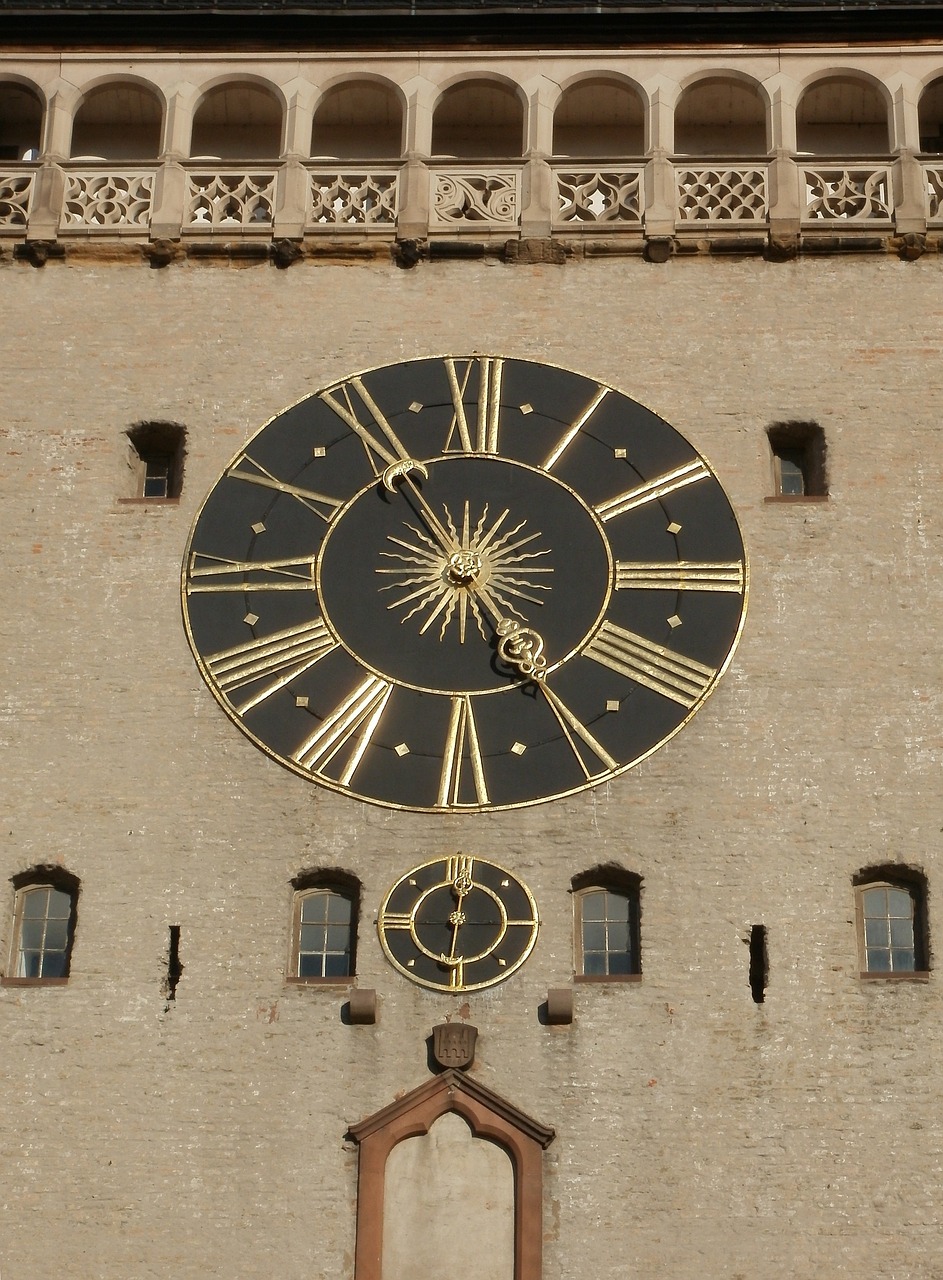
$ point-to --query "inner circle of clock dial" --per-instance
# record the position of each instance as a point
(417, 581)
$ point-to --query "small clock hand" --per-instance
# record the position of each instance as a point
(461, 886)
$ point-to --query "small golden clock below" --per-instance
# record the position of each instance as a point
(458, 924)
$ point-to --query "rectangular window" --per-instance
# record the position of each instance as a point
(798, 451)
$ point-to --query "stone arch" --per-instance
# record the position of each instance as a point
(722, 115)
(479, 117)
(22, 109)
(600, 116)
(490, 1118)
(359, 118)
(238, 119)
(118, 120)
(843, 113)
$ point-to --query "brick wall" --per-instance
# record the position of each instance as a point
(698, 1134)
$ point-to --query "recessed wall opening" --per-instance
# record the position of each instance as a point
(478, 119)
(118, 122)
(237, 122)
(931, 118)
(721, 117)
(799, 459)
(157, 454)
(21, 123)
(358, 121)
(759, 963)
(842, 116)
(174, 967)
(599, 118)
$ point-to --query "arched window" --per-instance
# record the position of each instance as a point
(842, 116)
(237, 122)
(118, 122)
(324, 928)
(892, 922)
(476, 119)
(43, 926)
(599, 118)
(606, 918)
(721, 117)
(21, 123)
(361, 120)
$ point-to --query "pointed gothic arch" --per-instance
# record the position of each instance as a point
(490, 1117)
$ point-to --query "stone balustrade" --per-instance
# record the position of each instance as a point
(496, 200)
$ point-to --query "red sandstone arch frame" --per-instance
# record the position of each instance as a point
(489, 1116)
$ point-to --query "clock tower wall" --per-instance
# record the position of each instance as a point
(700, 1130)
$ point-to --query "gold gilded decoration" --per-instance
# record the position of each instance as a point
(519, 574)
(453, 572)
(458, 924)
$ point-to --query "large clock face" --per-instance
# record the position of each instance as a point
(464, 583)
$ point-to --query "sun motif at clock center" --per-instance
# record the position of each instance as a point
(491, 562)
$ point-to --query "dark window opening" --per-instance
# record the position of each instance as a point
(759, 963)
(799, 459)
(159, 449)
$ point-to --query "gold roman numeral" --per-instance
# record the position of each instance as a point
(265, 575)
(459, 864)
(387, 446)
(575, 733)
(284, 655)
(396, 920)
(320, 503)
(485, 437)
(685, 575)
(652, 490)
(354, 721)
(462, 731)
(575, 428)
(671, 674)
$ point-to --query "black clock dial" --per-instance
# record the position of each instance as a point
(464, 583)
(458, 924)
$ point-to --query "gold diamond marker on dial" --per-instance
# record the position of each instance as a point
(258, 528)
(527, 408)
(251, 619)
(415, 407)
(674, 621)
(518, 749)
(620, 453)
(301, 702)
(674, 527)
(402, 749)
(613, 704)
(318, 451)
